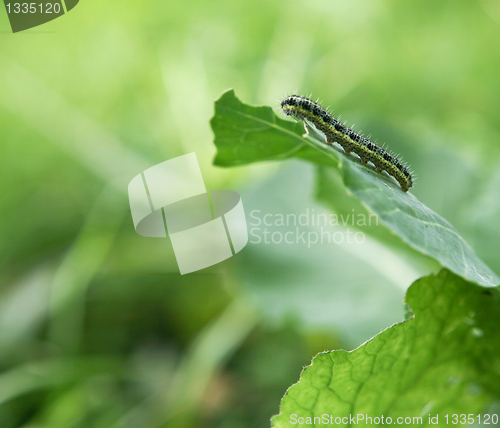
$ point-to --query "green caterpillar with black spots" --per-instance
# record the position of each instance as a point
(307, 110)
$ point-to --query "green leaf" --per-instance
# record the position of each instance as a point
(246, 134)
(443, 360)
(332, 193)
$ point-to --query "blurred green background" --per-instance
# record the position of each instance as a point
(97, 327)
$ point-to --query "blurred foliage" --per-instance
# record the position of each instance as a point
(97, 328)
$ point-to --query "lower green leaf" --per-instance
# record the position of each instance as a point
(443, 360)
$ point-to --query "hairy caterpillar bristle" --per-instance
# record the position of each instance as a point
(336, 132)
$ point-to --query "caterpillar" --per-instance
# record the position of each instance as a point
(307, 110)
